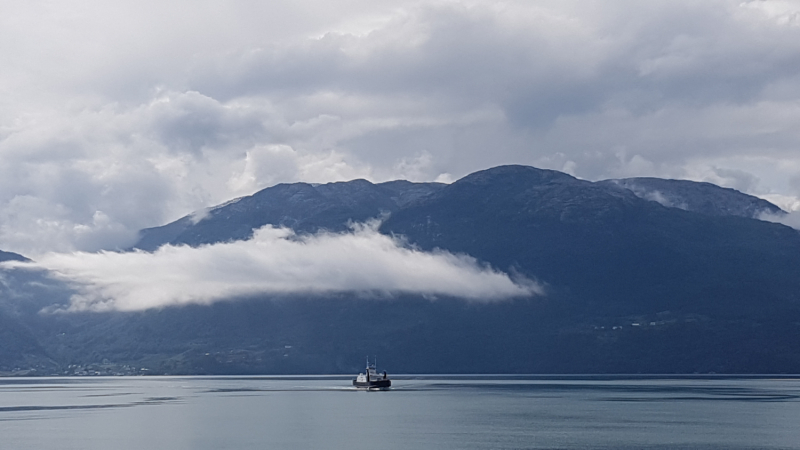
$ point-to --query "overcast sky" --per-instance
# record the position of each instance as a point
(121, 115)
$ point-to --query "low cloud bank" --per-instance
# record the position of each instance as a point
(790, 219)
(274, 261)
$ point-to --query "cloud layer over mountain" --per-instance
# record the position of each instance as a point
(128, 115)
(274, 262)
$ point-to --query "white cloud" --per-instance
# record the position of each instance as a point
(790, 219)
(784, 202)
(274, 261)
(787, 203)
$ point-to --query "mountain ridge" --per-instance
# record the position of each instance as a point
(300, 205)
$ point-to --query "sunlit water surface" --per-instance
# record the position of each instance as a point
(418, 413)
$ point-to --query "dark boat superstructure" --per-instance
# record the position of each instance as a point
(372, 379)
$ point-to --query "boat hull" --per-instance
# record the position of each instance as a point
(376, 384)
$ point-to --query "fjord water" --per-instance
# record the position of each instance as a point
(419, 412)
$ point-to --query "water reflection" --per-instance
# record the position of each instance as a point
(148, 401)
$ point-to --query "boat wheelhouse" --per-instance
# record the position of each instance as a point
(371, 379)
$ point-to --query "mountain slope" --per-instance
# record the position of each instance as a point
(604, 244)
(22, 295)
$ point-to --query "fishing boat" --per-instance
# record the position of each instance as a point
(371, 379)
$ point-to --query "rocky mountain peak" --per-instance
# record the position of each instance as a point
(510, 174)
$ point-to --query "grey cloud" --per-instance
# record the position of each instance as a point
(458, 55)
(543, 64)
(192, 122)
(790, 219)
(737, 179)
(645, 65)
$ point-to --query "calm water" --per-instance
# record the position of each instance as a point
(419, 413)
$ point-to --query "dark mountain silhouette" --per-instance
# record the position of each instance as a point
(632, 285)
(605, 245)
(9, 256)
